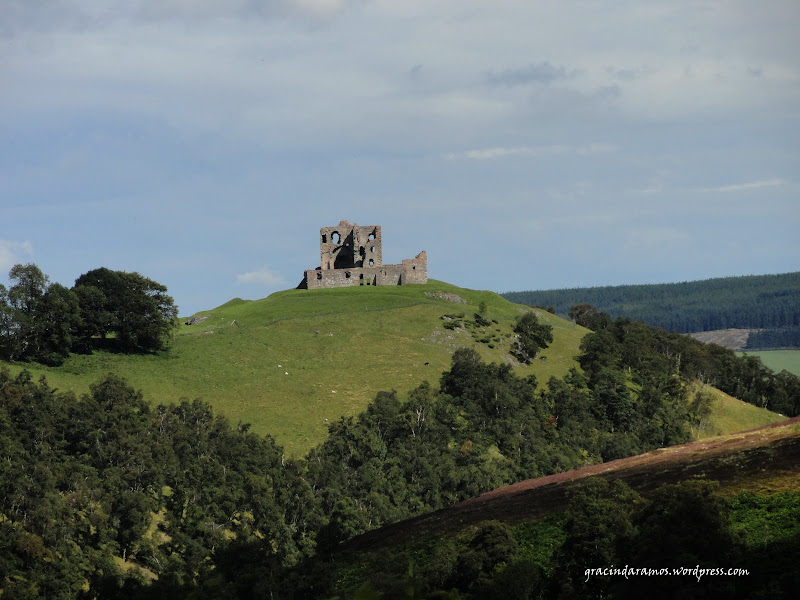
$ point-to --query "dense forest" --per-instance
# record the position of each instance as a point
(111, 496)
(750, 302)
(787, 337)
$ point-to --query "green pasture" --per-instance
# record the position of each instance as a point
(778, 360)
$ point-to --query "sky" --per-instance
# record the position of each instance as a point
(523, 144)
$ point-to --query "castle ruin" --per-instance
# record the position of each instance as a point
(352, 255)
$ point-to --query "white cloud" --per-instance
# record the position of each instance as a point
(11, 253)
(262, 276)
(737, 187)
(533, 151)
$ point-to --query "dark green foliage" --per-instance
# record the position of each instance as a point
(654, 357)
(492, 547)
(786, 337)
(37, 318)
(480, 321)
(590, 317)
(44, 322)
(135, 309)
(598, 527)
(764, 301)
(532, 336)
(174, 490)
(608, 525)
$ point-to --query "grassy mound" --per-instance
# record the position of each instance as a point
(290, 363)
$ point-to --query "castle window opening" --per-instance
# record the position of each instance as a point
(371, 262)
(372, 249)
(335, 237)
(347, 274)
(371, 236)
(319, 275)
(324, 238)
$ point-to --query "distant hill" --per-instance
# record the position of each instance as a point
(748, 302)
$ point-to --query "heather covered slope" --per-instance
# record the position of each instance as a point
(765, 460)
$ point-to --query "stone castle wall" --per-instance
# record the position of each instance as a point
(351, 255)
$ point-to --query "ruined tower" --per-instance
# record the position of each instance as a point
(352, 255)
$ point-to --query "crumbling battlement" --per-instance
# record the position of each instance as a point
(352, 255)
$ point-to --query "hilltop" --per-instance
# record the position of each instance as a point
(295, 361)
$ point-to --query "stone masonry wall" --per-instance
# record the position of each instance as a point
(351, 255)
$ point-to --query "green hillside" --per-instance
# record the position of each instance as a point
(730, 415)
(290, 363)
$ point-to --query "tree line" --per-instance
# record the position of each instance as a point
(640, 349)
(749, 302)
(45, 322)
(787, 337)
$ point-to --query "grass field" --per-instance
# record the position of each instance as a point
(729, 414)
(778, 360)
(292, 362)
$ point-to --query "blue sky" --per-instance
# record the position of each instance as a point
(524, 145)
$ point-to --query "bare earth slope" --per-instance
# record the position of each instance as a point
(764, 459)
(735, 339)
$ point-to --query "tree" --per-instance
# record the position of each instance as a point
(135, 309)
(36, 318)
(588, 316)
(532, 336)
(598, 528)
(56, 319)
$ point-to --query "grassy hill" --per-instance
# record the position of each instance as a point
(293, 362)
(290, 363)
(731, 415)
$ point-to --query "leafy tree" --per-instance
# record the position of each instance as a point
(492, 547)
(588, 316)
(57, 317)
(135, 309)
(36, 318)
(532, 336)
(599, 526)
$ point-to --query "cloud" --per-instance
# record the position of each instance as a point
(11, 252)
(543, 72)
(737, 187)
(533, 151)
(262, 276)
